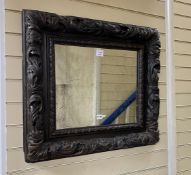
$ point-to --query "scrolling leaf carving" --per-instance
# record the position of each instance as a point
(37, 145)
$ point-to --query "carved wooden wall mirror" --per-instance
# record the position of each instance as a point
(88, 86)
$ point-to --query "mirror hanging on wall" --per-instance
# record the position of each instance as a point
(94, 86)
(89, 86)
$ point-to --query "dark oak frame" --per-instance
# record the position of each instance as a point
(41, 30)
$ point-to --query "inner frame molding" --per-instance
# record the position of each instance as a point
(41, 30)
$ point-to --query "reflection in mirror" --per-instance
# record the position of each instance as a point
(94, 87)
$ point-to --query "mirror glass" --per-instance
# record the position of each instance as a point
(94, 86)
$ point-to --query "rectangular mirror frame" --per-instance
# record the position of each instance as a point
(41, 30)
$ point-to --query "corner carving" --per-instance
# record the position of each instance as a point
(37, 144)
